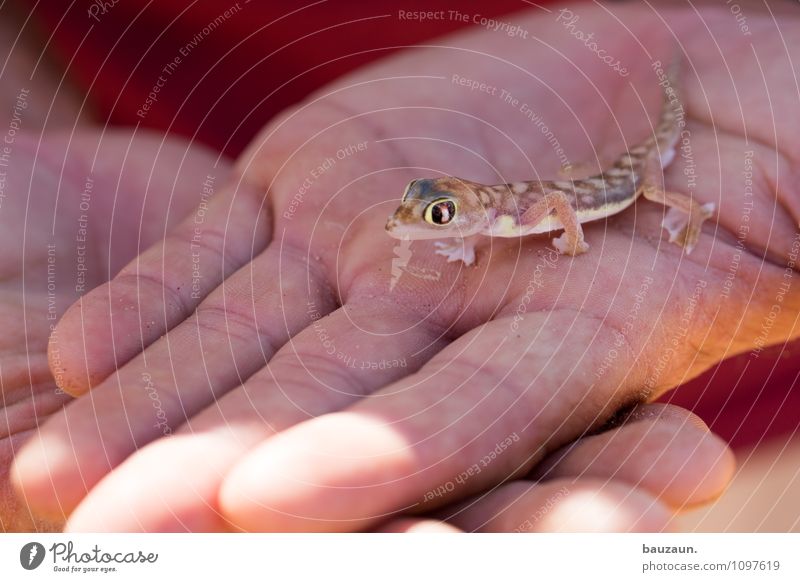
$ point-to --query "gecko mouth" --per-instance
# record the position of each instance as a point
(394, 229)
(390, 226)
(403, 232)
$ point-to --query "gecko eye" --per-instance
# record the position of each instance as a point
(440, 212)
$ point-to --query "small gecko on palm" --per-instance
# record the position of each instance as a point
(455, 208)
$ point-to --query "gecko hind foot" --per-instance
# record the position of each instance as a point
(566, 247)
(684, 230)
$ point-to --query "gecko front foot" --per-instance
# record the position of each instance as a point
(458, 250)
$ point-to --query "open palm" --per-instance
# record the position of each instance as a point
(318, 375)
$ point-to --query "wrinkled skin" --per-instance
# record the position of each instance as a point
(273, 430)
(39, 269)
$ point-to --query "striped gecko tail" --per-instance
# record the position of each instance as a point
(668, 130)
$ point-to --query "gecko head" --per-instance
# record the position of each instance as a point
(440, 208)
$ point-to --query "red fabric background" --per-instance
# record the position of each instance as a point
(267, 56)
(247, 65)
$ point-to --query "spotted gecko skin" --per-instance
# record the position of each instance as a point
(455, 208)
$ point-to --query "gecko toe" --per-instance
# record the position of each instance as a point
(684, 230)
(565, 247)
(456, 252)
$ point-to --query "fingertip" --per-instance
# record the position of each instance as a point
(416, 525)
(660, 448)
(258, 497)
(565, 505)
(58, 466)
(168, 486)
(67, 350)
(598, 506)
(715, 465)
(694, 465)
(33, 476)
(337, 472)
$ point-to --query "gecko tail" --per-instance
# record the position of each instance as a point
(667, 132)
(675, 68)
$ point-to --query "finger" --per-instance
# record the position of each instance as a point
(173, 484)
(413, 525)
(563, 505)
(491, 390)
(660, 448)
(160, 288)
(231, 335)
(15, 516)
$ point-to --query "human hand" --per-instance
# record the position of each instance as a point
(660, 459)
(527, 344)
(73, 209)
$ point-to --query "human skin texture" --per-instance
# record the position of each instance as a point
(272, 429)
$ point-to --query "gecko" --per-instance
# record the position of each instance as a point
(459, 209)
